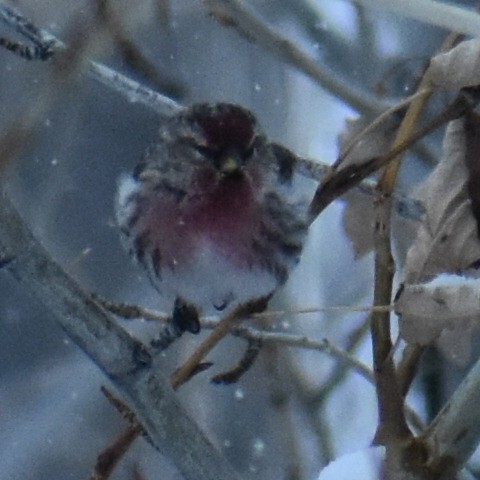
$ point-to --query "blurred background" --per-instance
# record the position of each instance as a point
(295, 410)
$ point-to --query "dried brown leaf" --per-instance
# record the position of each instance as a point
(358, 214)
(446, 313)
(459, 67)
(446, 242)
(375, 143)
(447, 239)
(357, 221)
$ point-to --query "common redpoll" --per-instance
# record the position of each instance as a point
(211, 212)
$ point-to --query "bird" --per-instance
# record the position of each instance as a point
(213, 213)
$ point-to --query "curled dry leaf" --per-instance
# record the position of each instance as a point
(358, 223)
(357, 220)
(447, 313)
(446, 239)
(457, 68)
(446, 242)
(358, 213)
(375, 143)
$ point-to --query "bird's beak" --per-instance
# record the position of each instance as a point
(230, 162)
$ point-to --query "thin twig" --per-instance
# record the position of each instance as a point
(393, 431)
(340, 179)
(223, 327)
(132, 55)
(243, 366)
(130, 89)
(64, 71)
(267, 336)
(350, 176)
(404, 206)
(339, 373)
(285, 339)
(134, 311)
(329, 309)
(301, 341)
(111, 456)
(450, 17)
(247, 22)
(325, 346)
(392, 425)
(374, 124)
(130, 311)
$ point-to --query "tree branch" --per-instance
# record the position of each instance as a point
(453, 18)
(248, 23)
(122, 358)
(130, 89)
